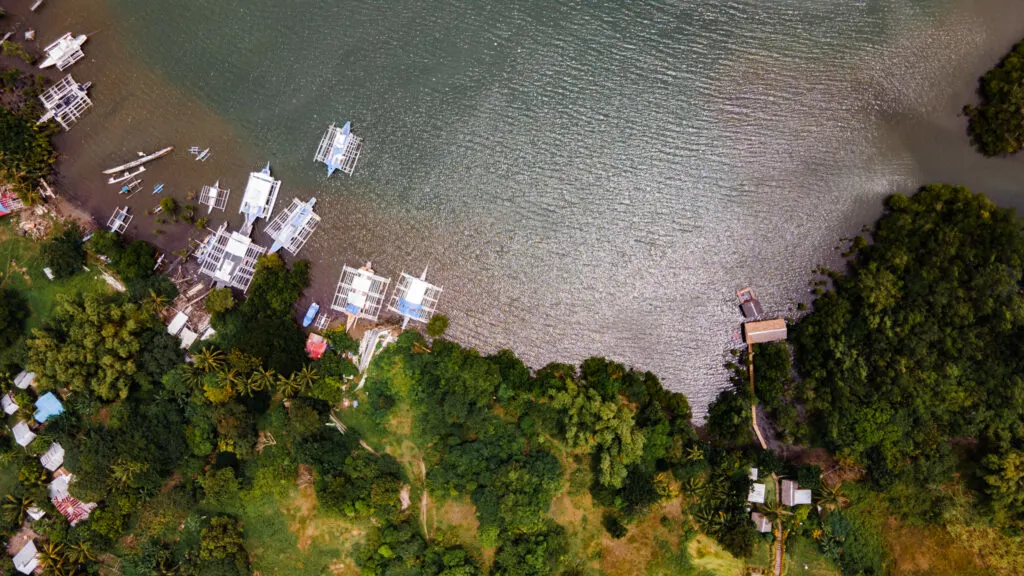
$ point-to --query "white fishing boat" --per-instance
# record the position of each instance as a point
(128, 175)
(260, 196)
(293, 227)
(143, 158)
(339, 149)
(203, 156)
(214, 197)
(64, 52)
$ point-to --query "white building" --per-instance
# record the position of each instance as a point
(25, 379)
(23, 435)
(792, 496)
(8, 403)
(26, 560)
(53, 458)
(757, 492)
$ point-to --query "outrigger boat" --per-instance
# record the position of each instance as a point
(126, 176)
(200, 154)
(64, 52)
(158, 188)
(142, 160)
(310, 314)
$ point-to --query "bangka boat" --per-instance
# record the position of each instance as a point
(142, 160)
(260, 196)
(203, 156)
(311, 313)
(64, 52)
(126, 176)
(292, 228)
(158, 188)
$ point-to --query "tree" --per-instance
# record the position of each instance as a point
(437, 325)
(26, 151)
(1006, 483)
(63, 253)
(222, 543)
(13, 314)
(996, 125)
(91, 346)
(219, 300)
(832, 498)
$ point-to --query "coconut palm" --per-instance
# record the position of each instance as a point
(694, 453)
(81, 552)
(16, 508)
(289, 386)
(53, 558)
(307, 377)
(209, 359)
(193, 376)
(263, 379)
(231, 380)
(774, 510)
(832, 498)
(123, 472)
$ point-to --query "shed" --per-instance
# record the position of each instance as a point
(23, 435)
(177, 323)
(35, 513)
(753, 474)
(8, 403)
(188, 338)
(793, 496)
(53, 458)
(25, 379)
(765, 331)
(756, 494)
(26, 561)
(761, 524)
(48, 406)
(316, 345)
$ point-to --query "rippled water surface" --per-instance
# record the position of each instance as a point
(581, 177)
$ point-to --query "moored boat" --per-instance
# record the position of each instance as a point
(140, 161)
(126, 176)
(311, 313)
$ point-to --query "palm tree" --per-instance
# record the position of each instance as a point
(157, 301)
(209, 359)
(289, 386)
(263, 379)
(194, 377)
(231, 380)
(832, 498)
(123, 472)
(307, 377)
(17, 508)
(694, 453)
(80, 552)
(53, 558)
(774, 510)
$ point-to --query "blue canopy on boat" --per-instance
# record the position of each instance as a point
(407, 308)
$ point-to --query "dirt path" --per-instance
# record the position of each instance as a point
(423, 500)
(779, 536)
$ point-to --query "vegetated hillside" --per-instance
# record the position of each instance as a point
(996, 124)
(912, 366)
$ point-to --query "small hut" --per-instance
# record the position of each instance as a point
(23, 435)
(339, 149)
(761, 523)
(48, 406)
(8, 403)
(26, 560)
(230, 258)
(66, 102)
(414, 298)
(360, 293)
(25, 379)
(214, 197)
(53, 458)
(793, 496)
(757, 493)
(293, 227)
(765, 331)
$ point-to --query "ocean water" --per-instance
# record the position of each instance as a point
(582, 177)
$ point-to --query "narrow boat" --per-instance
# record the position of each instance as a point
(310, 314)
(336, 158)
(158, 188)
(126, 176)
(203, 156)
(140, 161)
(64, 52)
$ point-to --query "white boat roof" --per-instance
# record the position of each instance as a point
(417, 290)
(361, 283)
(237, 244)
(258, 192)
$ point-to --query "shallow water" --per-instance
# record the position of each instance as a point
(583, 178)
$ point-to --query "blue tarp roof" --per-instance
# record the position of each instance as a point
(47, 406)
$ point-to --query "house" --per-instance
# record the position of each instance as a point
(756, 494)
(8, 404)
(26, 560)
(765, 331)
(23, 435)
(53, 458)
(761, 524)
(177, 323)
(25, 379)
(793, 496)
(753, 474)
(70, 507)
(48, 406)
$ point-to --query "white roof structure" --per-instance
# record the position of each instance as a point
(23, 435)
(414, 298)
(214, 197)
(753, 474)
(66, 102)
(339, 149)
(8, 403)
(761, 524)
(188, 338)
(360, 293)
(53, 458)
(293, 227)
(64, 52)
(59, 487)
(177, 323)
(260, 196)
(119, 220)
(26, 561)
(25, 379)
(792, 496)
(756, 494)
(230, 258)
(35, 513)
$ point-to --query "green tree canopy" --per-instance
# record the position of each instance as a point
(64, 253)
(996, 125)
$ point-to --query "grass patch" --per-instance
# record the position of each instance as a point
(22, 270)
(928, 550)
(8, 478)
(801, 552)
(708, 556)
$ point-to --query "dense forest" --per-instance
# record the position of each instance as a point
(996, 125)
